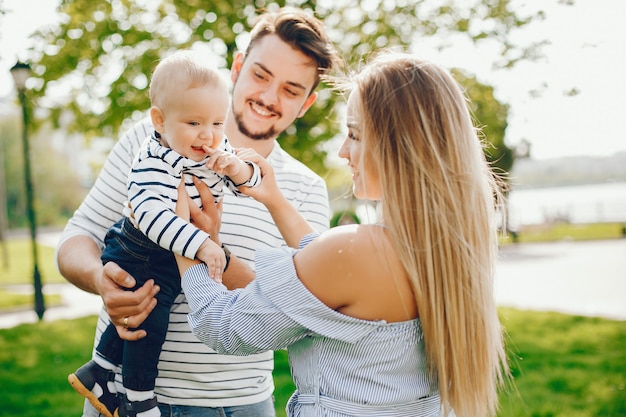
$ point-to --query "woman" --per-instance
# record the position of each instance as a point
(395, 318)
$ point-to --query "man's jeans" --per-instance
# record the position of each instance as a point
(262, 409)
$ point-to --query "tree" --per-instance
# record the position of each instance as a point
(491, 117)
(95, 64)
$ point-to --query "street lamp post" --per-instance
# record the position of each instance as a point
(20, 72)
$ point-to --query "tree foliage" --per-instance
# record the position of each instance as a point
(92, 69)
(491, 118)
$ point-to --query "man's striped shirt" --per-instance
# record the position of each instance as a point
(189, 372)
(153, 191)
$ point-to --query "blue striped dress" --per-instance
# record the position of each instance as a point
(341, 366)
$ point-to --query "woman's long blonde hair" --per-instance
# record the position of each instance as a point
(439, 206)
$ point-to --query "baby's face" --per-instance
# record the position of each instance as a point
(195, 117)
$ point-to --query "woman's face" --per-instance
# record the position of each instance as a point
(366, 184)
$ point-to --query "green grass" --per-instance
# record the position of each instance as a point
(283, 383)
(16, 268)
(34, 362)
(564, 231)
(10, 300)
(19, 266)
(562, 366)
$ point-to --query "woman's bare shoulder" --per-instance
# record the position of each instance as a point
(359, 235)
(335, 266)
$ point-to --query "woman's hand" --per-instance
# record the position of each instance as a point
(291, 224)
(268, 190)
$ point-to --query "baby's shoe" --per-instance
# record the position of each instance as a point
(92, 382)
(133, 408)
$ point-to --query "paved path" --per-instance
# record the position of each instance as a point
(585, 278)
(74, 303)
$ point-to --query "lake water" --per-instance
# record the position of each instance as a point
(591, 203)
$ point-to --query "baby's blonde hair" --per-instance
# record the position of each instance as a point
(179, 71)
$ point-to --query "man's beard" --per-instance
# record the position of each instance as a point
(271, 133)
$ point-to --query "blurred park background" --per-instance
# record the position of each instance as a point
(543, 82)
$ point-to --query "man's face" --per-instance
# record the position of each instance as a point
(271, 88)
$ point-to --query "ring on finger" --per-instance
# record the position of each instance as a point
(125, 322)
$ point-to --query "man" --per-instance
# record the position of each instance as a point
(273, 84)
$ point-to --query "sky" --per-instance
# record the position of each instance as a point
(587, 52)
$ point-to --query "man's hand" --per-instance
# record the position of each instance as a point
(127, 309)
(209, 218)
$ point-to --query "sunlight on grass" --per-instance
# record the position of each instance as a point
(566, 231)
(18, 270)
(562, 366)
(10, 300)
(20, 264)
(35, 360)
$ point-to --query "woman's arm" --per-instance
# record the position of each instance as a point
(291, 224)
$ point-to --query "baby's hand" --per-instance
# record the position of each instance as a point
(223, 162)
(213, 256)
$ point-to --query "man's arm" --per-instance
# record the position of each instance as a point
(79, 249)
(79, 262)
(78, 259)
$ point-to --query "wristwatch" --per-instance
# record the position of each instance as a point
(227, 254)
